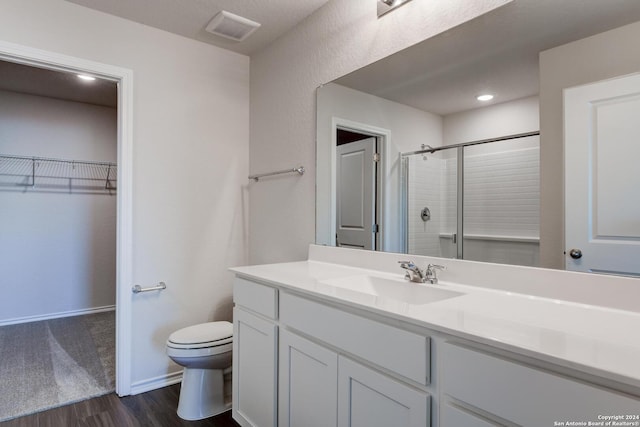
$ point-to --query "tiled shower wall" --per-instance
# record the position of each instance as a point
(425, 177)
(502, 205)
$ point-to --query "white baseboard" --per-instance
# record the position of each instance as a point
(164, 381)
(155, 383)
(58, 315)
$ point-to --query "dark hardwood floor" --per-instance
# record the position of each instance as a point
(156, 408)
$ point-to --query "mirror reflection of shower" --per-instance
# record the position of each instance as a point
(487, 192)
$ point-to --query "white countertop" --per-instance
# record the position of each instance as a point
(593, 339)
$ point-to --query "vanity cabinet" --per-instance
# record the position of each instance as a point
(305, 361)
(319, 388)
(312, 378)
(397, 350)
(254, 373)
(484, 387)
(365, 395)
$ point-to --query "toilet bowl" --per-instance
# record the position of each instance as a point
(204, 351)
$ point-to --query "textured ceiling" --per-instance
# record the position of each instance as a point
(57, 84)
(495, 53)
(189, 18)
(184, 17)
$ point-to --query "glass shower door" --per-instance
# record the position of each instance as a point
(430, 203)
(477, 202)
(501, 201)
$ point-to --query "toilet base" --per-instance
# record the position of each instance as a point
(201, 394)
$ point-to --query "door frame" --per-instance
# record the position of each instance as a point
(124, 232)
(383, 205)
(368, 149)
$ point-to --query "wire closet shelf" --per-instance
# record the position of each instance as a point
(31, 171)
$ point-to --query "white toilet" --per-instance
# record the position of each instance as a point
(205, 352)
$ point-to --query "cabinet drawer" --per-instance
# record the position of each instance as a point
(256, 297)
(522, 394)
(400, 351)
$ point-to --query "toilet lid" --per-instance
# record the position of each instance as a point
(203, 335)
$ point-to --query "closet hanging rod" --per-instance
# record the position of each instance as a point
(299, 170)
(467, 144)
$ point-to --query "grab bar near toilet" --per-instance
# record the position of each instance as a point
(137, 288)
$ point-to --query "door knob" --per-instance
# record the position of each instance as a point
(575, 253)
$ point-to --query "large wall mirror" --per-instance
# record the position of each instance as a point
(543, 174)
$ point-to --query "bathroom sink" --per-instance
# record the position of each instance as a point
(393, 289)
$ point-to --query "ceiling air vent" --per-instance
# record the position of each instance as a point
(231, 26)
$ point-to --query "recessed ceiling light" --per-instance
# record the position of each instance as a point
(485, 97)
(85, 77)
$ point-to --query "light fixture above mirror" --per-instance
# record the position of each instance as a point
(386, 6)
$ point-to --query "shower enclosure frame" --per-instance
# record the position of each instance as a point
(404, 180)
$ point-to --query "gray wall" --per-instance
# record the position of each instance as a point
(340, 37)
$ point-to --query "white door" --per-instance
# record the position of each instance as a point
(355, 194)
(602, 176)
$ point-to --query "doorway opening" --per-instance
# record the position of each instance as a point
(357, 190)
(58, 186)
(123, 78)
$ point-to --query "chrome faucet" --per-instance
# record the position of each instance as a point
(416, 275)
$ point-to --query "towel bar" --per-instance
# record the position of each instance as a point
(137, 288)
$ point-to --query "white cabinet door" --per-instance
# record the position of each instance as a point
(367, 398)
(602, 197)
(254, 370)
(308, 384)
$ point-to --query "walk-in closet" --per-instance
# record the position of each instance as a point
(58, 215)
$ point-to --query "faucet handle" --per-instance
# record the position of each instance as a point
(406, 264)
(430, 273)
(413, 274)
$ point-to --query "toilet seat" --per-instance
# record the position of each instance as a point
(199, 352)
(203, 336)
